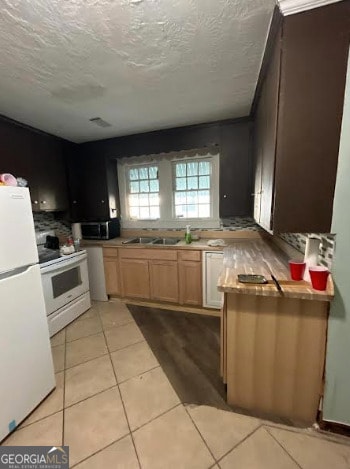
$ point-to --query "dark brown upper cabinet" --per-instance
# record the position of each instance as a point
(39, 158)
(92, 186)
(298, 112)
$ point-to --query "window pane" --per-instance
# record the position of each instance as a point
(154, 185)
(143, 200)
(153, 172)
(192, 211)
(133, 200)
(134, 212)
(154, 212)
(204, 211)
(192, 169)
(204, 197)
(180, 169)
(133, 174)
(134, 187)
(180, 198)
(154, 199)
(180, 184)
(204, 182)
(192, 183)
(144, 212)
(143, 173)
(180, 211)
(192, 197)
(144, 186)
(204, 167)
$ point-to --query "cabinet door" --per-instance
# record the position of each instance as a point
(135, 278)
(111, 267)
(213, 268)
(164, 281)
(265, 135)
(190, 283)
(53, 182)
(271, 90)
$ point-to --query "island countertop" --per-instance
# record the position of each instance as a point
(263, 258)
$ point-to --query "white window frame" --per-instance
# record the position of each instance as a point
(167, 218)
(127, 190)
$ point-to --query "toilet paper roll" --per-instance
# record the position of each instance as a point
(76, 230)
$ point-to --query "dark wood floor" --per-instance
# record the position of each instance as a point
(187, 347)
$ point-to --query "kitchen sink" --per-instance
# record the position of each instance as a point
(142, 240)
(166, 241)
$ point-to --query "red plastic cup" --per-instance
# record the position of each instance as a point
(319, 277)
(297, 269)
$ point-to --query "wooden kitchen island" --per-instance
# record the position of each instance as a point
(272, 343)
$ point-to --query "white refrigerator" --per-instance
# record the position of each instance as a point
(26, 367)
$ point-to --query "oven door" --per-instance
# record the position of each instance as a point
(64, 281)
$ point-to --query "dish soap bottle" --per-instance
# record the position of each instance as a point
(188, 236)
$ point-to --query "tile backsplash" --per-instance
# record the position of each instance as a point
(49, 221)
(298, 241)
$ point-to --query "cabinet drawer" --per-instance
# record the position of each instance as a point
(110, 252)
(161, 254)
(186, 255)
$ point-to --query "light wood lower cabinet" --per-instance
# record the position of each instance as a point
(190, 283)
(165, 275)
(111, 268)
(135, 278)
(112, 276)
(164, 281)
(273, 353)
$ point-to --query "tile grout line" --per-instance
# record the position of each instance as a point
(99, 356)
(283, 448)
(100, 450)
(239, 443)
(156, 417)
(140, 374)
(116, 386)
(195, 426)
(94, 333)
(332, 437)
(120, 396)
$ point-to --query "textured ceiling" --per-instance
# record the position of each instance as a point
(138, 64)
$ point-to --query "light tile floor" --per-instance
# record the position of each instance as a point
(115, 408)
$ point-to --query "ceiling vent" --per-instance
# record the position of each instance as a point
(100, 122)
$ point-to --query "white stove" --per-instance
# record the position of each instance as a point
(65, 284)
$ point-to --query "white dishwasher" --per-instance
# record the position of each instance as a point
(213, 266)
(96, 273)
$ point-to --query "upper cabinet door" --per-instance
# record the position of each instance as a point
(265, 134)
(298, 120)
(268, 138)
(52, 184)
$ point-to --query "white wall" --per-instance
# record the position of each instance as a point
(337, 395)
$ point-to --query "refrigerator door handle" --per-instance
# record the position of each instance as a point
(14, 273)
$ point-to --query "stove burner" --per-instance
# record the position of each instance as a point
(48, 255)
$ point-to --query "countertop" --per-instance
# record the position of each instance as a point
(201, 244)
(262, 257)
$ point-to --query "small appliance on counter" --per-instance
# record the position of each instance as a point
(101, 229)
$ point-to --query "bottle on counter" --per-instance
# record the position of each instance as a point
(188, 236)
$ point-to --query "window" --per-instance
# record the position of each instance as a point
(192, 197)
(143, 192)
(170, 190)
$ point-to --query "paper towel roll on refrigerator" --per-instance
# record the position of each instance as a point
(312, 251)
